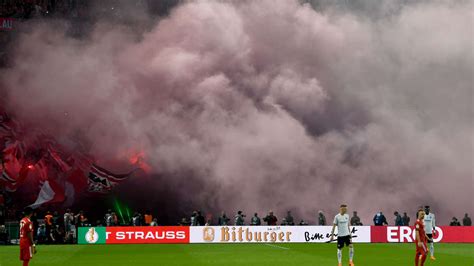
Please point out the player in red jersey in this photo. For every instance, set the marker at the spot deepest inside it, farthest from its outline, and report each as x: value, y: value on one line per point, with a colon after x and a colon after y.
x: 27, y: 246
x: 420, y: 240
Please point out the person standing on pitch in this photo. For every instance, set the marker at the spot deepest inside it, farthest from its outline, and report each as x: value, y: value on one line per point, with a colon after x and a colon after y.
x: 430, y: 227
x: 379, y: 219
x: 289, y: 219
x: 255, y: 220
x: 343, y: 234
x: 398, y: 219
x: 454, y: 222
x: 420, y: 239
x: 27, y: 246
x: 223, y: 219
x: 270, y: 219
x: 406, y: 219
x: 355, y: 220
x: 321, y: 218
x: 239, y: 218
x: 466, y: 221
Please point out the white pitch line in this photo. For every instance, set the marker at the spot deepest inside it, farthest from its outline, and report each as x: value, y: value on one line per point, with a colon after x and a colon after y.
x: 275, y: 246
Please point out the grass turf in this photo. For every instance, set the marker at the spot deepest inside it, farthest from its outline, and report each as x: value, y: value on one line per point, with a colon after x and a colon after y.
x: 236, y: 254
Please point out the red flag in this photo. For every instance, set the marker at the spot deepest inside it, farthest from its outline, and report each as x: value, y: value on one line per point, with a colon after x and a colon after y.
x: 8, y: 182
x: 41, y: 170
x: 13, y: 171
x: 76, y: 183
x: 58, y: 160
x: 80, y: 161
x: 78, y: 180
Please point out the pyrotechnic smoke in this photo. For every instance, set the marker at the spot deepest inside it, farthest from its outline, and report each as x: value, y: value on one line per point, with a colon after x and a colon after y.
x: 259, y: 105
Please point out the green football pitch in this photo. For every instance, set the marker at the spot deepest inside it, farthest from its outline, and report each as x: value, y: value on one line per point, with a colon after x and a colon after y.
x: 236, y: 254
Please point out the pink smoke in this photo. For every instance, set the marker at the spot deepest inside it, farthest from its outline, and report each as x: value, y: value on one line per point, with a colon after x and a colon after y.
x: 268, y: 104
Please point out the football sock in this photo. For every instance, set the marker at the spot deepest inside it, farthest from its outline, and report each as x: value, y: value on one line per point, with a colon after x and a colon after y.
x: 339, y: 255
x: 423, y: 258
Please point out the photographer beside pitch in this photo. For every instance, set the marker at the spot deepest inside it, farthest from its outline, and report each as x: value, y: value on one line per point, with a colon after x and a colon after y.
x: 27, y: 245
x: 344, y: 237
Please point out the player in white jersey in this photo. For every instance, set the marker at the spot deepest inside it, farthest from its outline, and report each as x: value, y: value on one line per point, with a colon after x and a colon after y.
x: 344, y: 236
x: 430, y: 227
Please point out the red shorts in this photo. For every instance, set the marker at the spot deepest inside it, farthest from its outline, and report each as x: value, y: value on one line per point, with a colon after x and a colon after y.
x: 25, y: 253
x: 421, y: 250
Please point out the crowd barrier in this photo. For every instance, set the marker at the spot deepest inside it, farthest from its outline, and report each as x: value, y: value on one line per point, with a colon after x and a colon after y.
x: 261, y: 234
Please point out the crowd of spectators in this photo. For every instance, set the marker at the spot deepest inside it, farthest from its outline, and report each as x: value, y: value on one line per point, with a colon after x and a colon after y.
x: 466, y: 221
x: 53, y: 227
x: 2, y: 209
x: 8, y: 210
x: 14, y: 13
x: 4, y: 237
x: 197, y: 219
x: 25, y: 9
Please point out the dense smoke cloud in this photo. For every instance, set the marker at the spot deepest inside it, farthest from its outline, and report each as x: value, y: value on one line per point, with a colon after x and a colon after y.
x: 259, y: 105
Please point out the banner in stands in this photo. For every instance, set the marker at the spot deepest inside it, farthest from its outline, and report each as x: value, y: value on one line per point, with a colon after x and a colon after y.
x: 6, y: 23
x: 406, y: 234
x: 133, y: 235
x: 271, y: 234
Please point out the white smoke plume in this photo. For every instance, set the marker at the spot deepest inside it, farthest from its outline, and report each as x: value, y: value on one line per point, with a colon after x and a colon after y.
x: 259, y: 105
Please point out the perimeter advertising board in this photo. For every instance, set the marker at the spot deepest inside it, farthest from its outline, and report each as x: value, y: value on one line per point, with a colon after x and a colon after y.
x: 261, y: 234
x: 133, y: 235
x: 271, y: 234
x: 406, y: 234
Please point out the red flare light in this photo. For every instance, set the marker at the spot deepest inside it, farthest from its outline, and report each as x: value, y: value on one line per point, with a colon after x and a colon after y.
x: 138, y: 159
